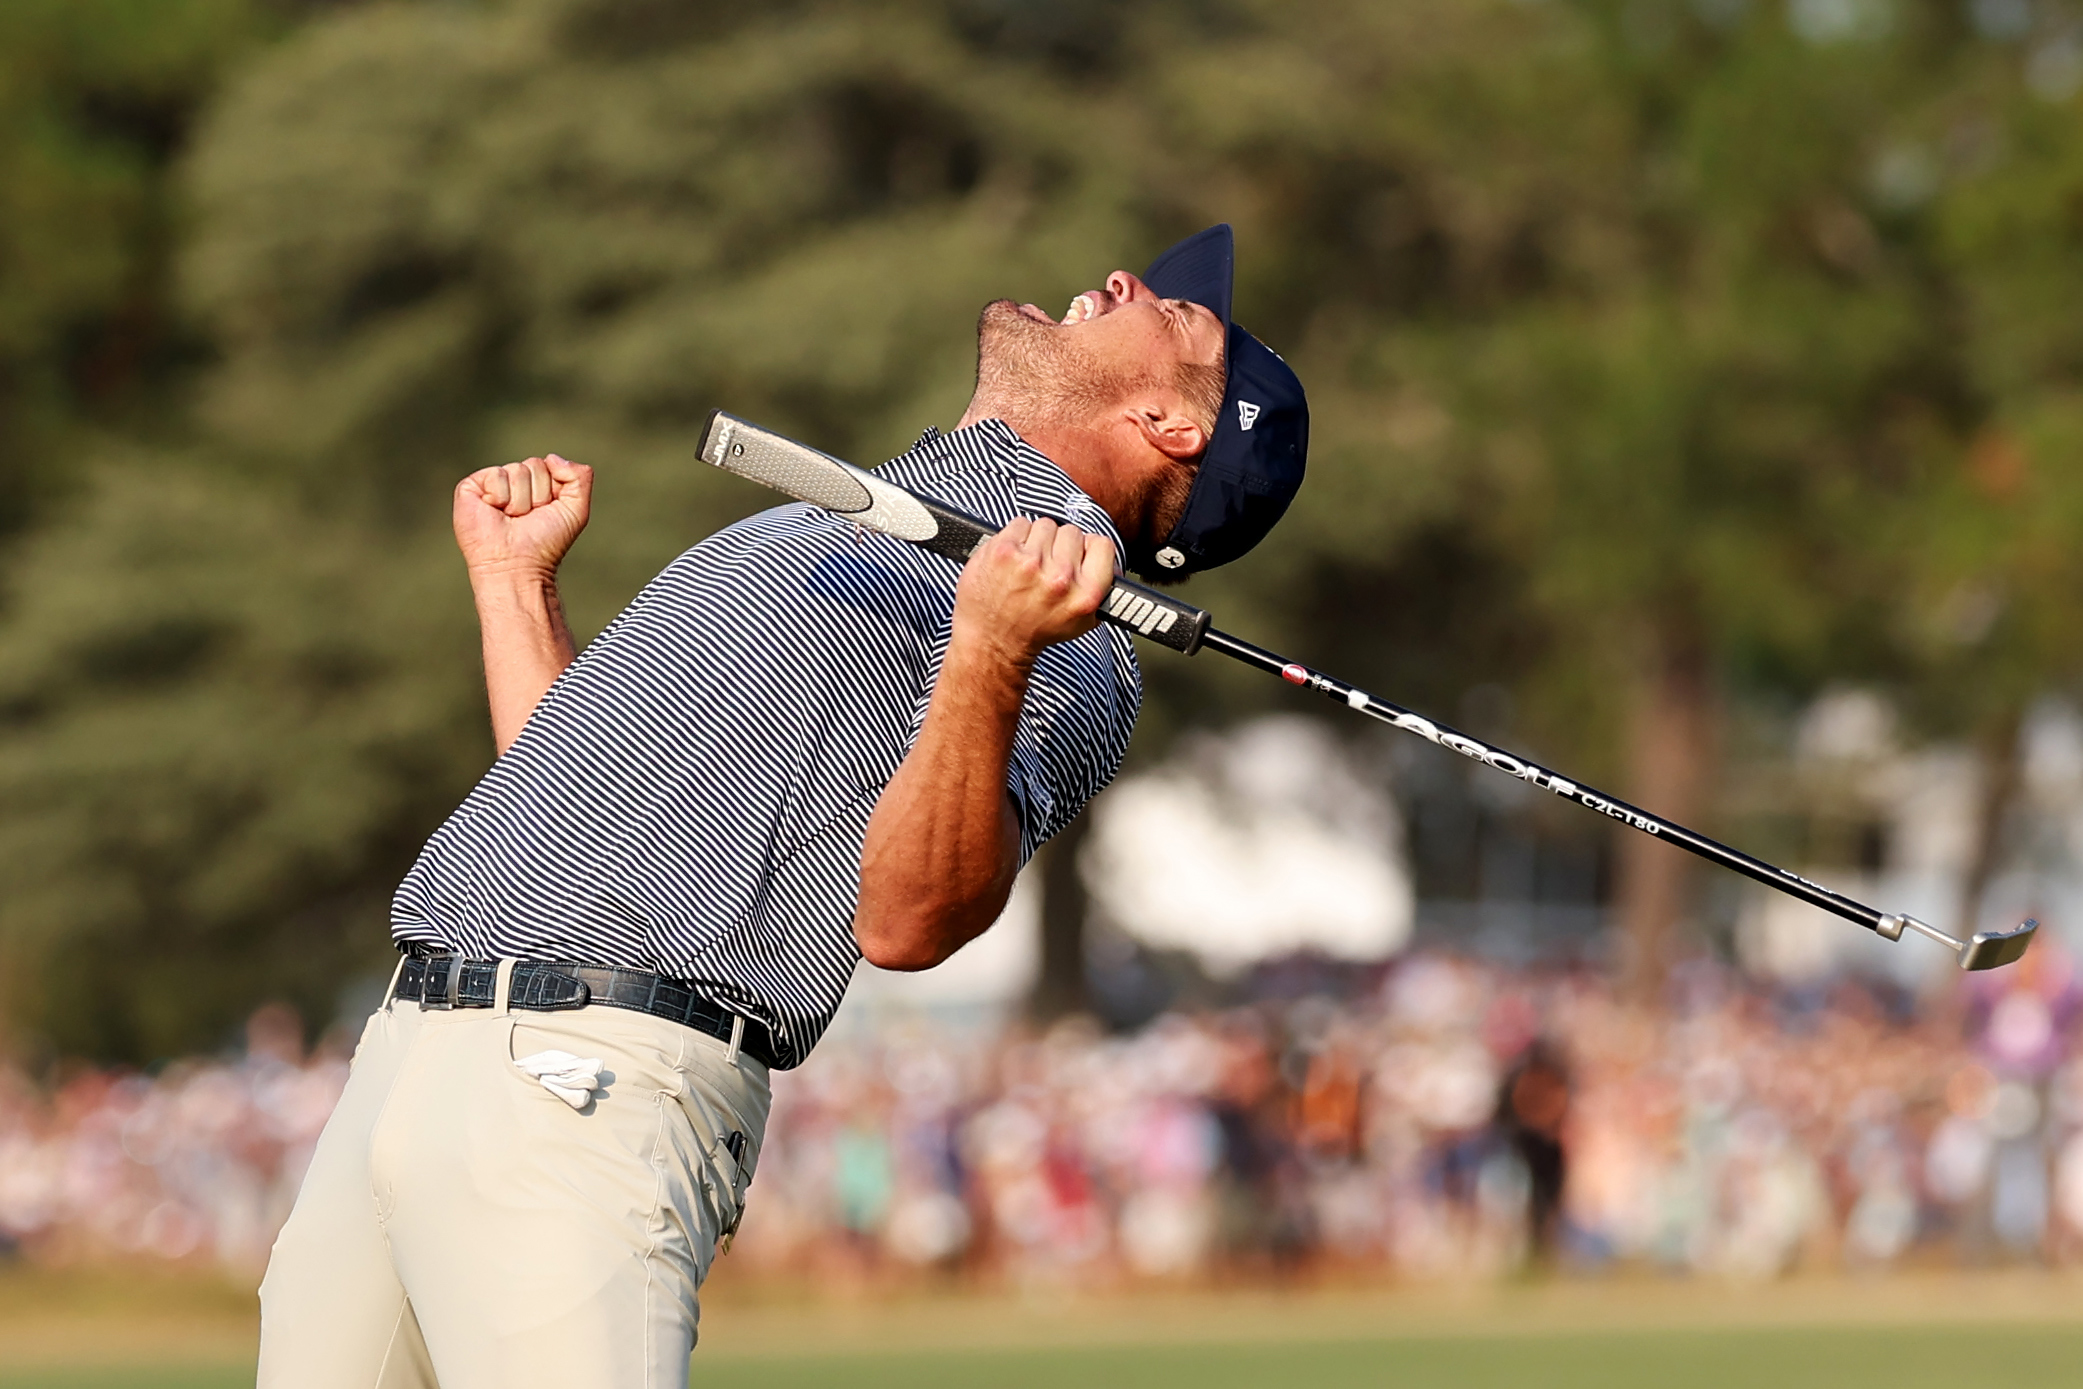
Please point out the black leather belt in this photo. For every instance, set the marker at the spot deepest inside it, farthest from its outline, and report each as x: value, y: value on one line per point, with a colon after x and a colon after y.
x: 439, y: 979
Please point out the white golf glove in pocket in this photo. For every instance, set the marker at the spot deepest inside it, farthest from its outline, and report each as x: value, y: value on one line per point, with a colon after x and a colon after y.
x: 572, y: 1079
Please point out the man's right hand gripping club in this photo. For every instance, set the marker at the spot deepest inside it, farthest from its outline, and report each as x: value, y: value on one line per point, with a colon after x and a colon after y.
x: 943, y: 844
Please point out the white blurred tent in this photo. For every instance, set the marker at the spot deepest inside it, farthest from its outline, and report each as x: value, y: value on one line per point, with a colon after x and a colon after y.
x: 1258, y: 843
x: 1243, y: 846
x: 1847, y: 748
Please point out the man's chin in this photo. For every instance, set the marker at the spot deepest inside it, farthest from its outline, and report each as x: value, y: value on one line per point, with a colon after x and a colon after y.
x: 1005, y: 315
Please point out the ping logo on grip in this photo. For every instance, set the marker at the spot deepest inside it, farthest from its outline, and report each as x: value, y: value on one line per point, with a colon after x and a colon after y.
x: 719, y: 447
x: 1134, y: 610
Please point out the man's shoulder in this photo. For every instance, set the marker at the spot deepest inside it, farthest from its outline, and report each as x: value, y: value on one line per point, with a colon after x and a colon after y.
x: 766, y: 563
x: 988, y: 470
x: 972, y: 469
x: 790, y: 532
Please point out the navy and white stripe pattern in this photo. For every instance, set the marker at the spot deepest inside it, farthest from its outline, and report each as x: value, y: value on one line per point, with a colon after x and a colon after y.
x: 692, y: 794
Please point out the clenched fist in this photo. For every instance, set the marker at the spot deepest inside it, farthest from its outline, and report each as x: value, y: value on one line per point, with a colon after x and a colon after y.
x: 522, y: 516
x: 1031, y: 585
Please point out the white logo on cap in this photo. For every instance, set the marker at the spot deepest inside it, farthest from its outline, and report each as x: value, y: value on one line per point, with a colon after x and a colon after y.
x: 1247, y: 415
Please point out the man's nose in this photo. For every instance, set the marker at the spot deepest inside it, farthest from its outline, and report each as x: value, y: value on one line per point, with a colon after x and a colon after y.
x: 1126, y: 288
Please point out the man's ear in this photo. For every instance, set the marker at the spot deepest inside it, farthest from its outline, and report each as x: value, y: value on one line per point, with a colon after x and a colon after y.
x: 1171, y: 431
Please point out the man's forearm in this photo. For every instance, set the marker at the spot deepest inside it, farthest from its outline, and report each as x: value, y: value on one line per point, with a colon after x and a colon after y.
x: 527, y: 643
x: 943, y: 845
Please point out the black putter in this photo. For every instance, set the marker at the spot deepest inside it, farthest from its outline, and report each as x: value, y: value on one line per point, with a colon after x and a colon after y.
x: 877, y: 504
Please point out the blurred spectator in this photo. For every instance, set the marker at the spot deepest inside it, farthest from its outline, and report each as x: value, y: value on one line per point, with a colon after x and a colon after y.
x: 1532, y: 1108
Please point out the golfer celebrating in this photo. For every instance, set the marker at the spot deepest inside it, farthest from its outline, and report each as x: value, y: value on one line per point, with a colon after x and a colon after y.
x: 799, y: 747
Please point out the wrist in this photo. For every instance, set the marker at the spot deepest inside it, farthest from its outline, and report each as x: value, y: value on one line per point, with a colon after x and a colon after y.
x: 984, y: 647
x: 528, y: 593
x: 530, y: 586
x: 512, y: 571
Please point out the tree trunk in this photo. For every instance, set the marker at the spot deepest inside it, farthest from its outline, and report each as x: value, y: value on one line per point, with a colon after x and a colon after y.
x: 1998, y: 753
x: 1670, y: 753
x: 1059, y: 988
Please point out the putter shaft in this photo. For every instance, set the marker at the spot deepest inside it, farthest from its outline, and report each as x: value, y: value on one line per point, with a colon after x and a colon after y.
x: 1985, y: 950
x: 876, y: 503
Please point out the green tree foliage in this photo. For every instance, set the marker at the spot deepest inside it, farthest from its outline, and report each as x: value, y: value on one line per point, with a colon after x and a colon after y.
x: 223, y: 716
x: 241, y: 682
x: 96, y: 96
x: 1992, y: 616
x: 1697, y: 356
x: 1660, y: 353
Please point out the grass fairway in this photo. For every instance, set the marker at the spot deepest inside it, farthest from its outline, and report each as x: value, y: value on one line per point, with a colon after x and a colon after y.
x: 2018, y: 1330
x: 2013, y: 1357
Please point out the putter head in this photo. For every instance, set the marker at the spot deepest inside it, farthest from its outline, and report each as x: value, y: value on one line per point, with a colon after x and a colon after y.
x: 1991, y: 949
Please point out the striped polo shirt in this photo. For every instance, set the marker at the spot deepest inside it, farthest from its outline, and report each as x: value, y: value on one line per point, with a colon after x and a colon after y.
x: 692, y: 794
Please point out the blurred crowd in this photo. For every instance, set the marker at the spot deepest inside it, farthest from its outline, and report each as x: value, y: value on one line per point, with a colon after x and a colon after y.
x: 198, y: 1162
x: 1441, y: 1117
x: 1448, y: 1118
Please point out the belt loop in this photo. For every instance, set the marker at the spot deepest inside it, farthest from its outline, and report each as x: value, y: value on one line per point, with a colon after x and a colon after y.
x: 737, y: 1035
x: 503, y: 987
x: 390, y: 992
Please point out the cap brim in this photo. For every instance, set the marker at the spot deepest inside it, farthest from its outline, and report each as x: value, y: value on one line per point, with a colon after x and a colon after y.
x: 1200, y: 269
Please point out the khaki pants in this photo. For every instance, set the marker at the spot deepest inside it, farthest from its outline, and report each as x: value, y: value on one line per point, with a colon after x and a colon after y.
x: 461, y: 1226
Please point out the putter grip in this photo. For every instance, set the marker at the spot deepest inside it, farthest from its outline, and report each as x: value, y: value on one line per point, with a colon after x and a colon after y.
x: 1144, y: 611
x: 878, y: 504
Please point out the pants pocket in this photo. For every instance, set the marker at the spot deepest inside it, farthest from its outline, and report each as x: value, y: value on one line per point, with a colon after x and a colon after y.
x: 723, y: 1154
x: 729, y: 1160
x: 636, y: 1064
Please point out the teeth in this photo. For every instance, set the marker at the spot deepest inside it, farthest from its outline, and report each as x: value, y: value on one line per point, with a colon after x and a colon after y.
x: 1080, y: 309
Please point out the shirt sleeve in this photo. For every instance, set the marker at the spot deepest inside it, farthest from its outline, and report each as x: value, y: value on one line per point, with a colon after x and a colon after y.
x: 1074, y: 728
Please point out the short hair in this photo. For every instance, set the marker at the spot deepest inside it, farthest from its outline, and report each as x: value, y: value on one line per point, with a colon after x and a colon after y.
x: 1203, y: 387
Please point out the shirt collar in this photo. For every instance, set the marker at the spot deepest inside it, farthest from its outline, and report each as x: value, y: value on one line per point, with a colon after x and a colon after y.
x: 1040, y: 487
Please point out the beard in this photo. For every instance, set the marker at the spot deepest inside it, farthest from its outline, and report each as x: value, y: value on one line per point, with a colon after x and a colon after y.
x: 1027, y: 370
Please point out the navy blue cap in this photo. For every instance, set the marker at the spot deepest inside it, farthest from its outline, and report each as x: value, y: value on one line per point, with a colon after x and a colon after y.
x: 1252, y: 468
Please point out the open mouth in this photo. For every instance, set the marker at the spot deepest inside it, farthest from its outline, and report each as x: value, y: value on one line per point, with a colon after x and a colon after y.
x: 1096, y: 303
x: 1083, y: 309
